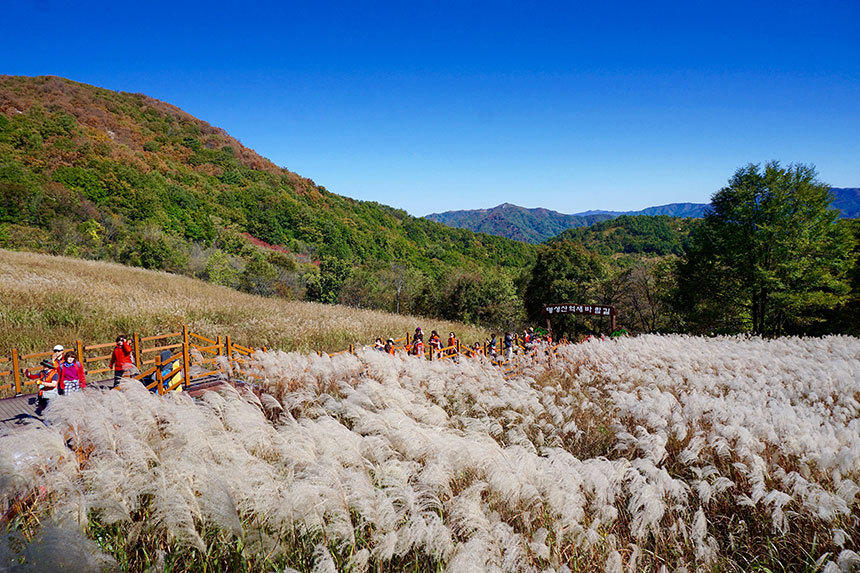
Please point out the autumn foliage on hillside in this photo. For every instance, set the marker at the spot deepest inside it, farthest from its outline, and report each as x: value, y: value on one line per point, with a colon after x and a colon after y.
x: 94, y: 173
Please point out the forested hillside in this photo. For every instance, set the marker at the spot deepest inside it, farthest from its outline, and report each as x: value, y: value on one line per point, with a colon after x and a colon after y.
x: 640, y: 235
x: 94, y: 173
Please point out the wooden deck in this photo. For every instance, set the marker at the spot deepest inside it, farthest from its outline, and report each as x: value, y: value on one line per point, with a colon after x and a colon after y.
x: 20, y: 411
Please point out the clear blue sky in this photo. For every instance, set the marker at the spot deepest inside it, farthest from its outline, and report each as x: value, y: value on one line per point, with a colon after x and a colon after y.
x: 432, y: 106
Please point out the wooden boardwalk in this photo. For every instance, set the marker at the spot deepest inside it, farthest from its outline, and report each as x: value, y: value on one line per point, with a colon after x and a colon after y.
x: 20, y: 411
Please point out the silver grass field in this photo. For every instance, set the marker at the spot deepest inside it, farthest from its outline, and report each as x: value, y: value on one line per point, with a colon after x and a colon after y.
x: 654, y: 453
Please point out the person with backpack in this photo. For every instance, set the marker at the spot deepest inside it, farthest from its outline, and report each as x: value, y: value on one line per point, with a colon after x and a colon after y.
x: 48, y: 378
x: 418, y: 344
x: 452, y: 344
x: 435, y: 344
x: 389, y: 346
x: 122, y: 360
x: 509, y: 346
x: 72, y: 377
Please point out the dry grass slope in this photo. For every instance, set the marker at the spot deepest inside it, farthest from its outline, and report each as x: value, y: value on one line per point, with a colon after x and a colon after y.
x: 45, y: 299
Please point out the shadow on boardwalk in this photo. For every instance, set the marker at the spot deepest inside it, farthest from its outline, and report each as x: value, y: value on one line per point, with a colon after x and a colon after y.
x: 20, y: 411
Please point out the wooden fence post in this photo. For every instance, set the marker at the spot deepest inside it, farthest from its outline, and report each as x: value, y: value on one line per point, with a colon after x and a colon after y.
x: 229, y: 347
x: 186, y: 357
x: 135, y: 340
x: 158, y: 376
x: 16, y: 372
x: 79, y: 348
x: 352, y: 348
x: 220, y: 346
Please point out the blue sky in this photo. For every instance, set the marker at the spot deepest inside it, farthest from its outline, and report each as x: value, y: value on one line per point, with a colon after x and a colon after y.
x: 432, y: 106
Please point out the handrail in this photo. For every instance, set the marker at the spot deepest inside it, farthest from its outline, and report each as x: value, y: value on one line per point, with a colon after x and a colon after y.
x: 35, y: 355
x: 210, y: 349
x: 97, y: 346
x: 203, y: 338
x: 160, y: 336
x: 160, y: 348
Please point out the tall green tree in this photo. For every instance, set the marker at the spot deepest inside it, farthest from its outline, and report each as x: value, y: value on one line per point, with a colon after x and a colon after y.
x: 324, y: 286
x: 565, y: 272
x: 769, y: 257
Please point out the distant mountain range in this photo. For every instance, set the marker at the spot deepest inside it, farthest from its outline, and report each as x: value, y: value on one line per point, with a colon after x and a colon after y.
x: 538, y: 225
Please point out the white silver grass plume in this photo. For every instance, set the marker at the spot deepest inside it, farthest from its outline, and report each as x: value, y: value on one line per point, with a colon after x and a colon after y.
x: 627, y: 451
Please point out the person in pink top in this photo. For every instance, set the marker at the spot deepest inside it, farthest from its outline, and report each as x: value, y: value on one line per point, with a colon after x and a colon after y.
x: 72, y: 378
x: 122, y: 360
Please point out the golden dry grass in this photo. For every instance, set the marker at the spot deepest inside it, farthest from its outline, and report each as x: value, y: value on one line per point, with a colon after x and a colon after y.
x: 46, y: 300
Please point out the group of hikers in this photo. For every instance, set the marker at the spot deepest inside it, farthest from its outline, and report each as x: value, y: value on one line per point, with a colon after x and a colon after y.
x: 64, y: 373
x: 491, y: 347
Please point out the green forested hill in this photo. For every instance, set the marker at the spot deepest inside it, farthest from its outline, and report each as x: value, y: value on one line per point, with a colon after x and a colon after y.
x: 94, y: 173
x: 645, y: 235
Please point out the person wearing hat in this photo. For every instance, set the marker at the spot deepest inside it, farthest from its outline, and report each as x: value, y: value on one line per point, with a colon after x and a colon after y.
x: 57, y: 356
x: 389, y: 346
x: 51, y: 377
x: 48, y: 378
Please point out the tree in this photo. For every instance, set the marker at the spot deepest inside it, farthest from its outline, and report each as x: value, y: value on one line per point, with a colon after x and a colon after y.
x: 324, y: 286
x: 473, y: 296
x: 259, y: 277
x: 641, y: 294
x: 769, y: 257
x: 565, y: 272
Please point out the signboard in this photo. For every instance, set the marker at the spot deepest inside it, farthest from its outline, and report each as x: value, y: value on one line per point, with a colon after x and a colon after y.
x: 589, y: 309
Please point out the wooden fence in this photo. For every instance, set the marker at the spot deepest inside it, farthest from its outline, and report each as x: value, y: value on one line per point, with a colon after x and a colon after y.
x: 456, y: 350
x: 188, y: 350
x: 147, y: 356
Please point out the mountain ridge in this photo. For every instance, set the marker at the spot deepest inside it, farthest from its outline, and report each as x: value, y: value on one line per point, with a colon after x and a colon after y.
x: 536, y: 225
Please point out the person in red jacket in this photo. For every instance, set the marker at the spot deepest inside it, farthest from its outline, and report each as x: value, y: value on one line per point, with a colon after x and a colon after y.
x: 122, y: 360
x: 72, y: 378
